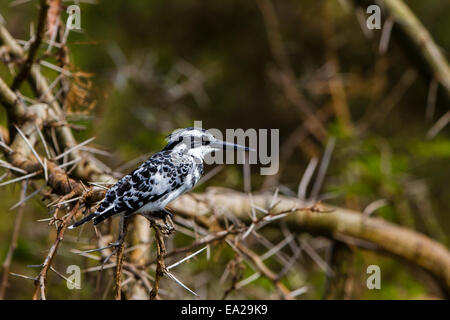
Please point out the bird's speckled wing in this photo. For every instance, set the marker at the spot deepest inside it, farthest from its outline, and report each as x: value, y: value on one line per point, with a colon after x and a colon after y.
x: 148, y: 184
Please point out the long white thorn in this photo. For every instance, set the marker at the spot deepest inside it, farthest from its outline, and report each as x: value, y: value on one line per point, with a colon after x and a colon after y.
x: 5, y: 146
x: 301, y: 194
x: 41, y: 136
x: 45, y: 170
x: 98, y: 185
x: 66, y: 202
x: 30, y: 146
x: 273, y: 202
x: 186, y: 258
x: 316, y: 257
x: 259, y: 208
x: 56, y: 68
x: 84, y: 254
x: 249, y: 230
x: 6, y: 165
x: 3, y: 176
x: 19, y: 179
x: 74, y: 148
x: 252, y: 208
x: 298, y: 291
x: 22, y: 276
x: 97, y: 151
x: 323, y: 167
x: 69, y: 163
x: 374, y: 206
x: 277, y: 248
x: 31, y: 195
x: 248, y: 280
x: 62, y: 276
x: 171, y: 276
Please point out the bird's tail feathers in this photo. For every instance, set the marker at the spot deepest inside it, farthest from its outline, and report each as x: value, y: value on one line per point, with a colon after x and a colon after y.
x: 82, y: 221
x: 104, y: 215
x: 96, y: 216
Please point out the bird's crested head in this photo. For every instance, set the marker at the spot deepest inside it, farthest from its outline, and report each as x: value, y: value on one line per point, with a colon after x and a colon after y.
x: 197, y: 142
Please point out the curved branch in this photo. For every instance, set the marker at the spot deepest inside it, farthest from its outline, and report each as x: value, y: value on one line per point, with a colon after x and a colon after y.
x: 420, y: 36
x: 329, y: 221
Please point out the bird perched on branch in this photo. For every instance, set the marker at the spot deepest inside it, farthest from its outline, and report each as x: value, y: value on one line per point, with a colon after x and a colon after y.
x: 162, y: 178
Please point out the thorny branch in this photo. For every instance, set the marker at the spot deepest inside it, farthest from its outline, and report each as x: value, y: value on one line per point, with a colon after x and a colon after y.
x: 160, y: 264
x: 40, y: 281
x: 118, y: 272
x: 420, y: 36
x: 43, y: 117
x: 328, y: 221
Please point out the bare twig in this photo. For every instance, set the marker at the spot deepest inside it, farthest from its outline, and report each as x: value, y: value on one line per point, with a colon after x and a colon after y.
x: 40, y: 281
x: 118, y: 271
x: 424, y: 42
x: 25, y: 70
x: 306, y: 178
x: 185, y: 258
x: 439, y: 125
x: 74, y: 148
x: 160, y: 264
x: 386, y: 35
x: 323, y: 168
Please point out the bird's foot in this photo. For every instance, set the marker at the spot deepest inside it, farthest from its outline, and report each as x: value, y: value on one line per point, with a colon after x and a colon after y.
x: 163, y: 221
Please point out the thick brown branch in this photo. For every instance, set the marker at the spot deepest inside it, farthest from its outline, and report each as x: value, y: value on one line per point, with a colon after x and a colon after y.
x: 332, y: 222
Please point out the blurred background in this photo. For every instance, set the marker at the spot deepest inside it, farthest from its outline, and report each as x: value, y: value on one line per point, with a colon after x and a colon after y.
x: 144, y: 68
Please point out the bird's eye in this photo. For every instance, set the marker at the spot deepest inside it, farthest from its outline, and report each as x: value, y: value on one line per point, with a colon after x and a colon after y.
x: 205, y: 142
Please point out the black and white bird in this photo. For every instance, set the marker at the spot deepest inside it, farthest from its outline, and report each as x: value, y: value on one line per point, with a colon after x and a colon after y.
x: 162, y: 178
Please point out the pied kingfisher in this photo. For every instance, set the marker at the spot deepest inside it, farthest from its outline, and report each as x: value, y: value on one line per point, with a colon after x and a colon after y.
x: 162, y: 178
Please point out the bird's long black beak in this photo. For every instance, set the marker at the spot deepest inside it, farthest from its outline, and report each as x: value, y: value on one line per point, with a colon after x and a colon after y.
x: 228, y: 145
